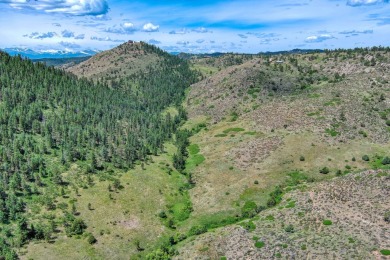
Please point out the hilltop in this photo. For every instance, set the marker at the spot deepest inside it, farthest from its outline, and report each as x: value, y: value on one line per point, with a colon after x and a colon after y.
x: 124, y: 63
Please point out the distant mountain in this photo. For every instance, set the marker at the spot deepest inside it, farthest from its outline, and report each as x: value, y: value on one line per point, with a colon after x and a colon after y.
x: 49, y: 54
x: 62, y: 62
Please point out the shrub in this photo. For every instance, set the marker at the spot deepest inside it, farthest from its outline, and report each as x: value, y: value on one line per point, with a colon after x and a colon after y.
x: 162, y: 214
x: 385, y: 252
x: 256, y: 182
x: 197, y: 230
x: 387, y: 217
x: 324, y: 170
x: 259, y: 244
x: 275, y: 197
x: 365, y: 158
x: 91, y: 239
x: 249, y: 209
x: 303, y: 247
x: 327, y: 222
x: 302, y: 158
x: 386, y: 160
x: 250, y: 226
x: 289, y: 229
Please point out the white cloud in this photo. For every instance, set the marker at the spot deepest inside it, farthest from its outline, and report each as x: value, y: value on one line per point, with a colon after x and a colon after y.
x: 124, y: 28
x: 365, y: 2
x: 67, y: 34
x: 128, y: 26
x: 73, y: 7
x: 149, y: 27
x: 319, y: 38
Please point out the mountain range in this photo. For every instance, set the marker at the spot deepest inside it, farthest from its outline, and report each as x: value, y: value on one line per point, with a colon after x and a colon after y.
x: 45, y: 54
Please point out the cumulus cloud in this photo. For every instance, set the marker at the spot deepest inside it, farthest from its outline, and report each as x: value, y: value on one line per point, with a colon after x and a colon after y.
x: 70, y: 45
x: 37, y: 35
x: 56, y: 24
x: 365, y: 2
x: 153, y: 41
x: 73, y: 7
x: 242, y: 36
x: 149, y: 27
x: 199, y: 41
x: 319, y: 38
x: 67, y: 34
x: 124, y: 28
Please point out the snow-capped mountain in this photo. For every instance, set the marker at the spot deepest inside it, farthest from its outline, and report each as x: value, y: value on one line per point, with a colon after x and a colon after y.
x: 42, y: 54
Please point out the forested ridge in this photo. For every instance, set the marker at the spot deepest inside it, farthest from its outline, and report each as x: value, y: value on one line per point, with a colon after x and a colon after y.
x: 48, y: 115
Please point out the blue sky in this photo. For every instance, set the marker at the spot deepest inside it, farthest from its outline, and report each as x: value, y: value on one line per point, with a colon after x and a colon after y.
x: 197, y: 26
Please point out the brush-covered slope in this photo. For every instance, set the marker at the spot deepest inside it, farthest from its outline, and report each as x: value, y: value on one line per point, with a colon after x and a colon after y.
x: 340, y: 219
x: 258, y: 122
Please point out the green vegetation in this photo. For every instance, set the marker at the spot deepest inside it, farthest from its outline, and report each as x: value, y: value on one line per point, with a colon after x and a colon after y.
x: 259, y: 244
x: 248, y: 225
x: 275, y: 197
x: 324, y: 170
x: 193, y: 149
x: 385, y: 252
x: 327, y: 222
x: 235, y: 129
x: 387, y: 216
x: 289, y: 228
x: 331, y: 132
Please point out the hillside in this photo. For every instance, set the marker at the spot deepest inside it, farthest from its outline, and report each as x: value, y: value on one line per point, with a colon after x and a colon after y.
x: 62, y: 62
x: 262, y: 120
x: 339, y: 219
x: 124, y: 63
x: 69, y: 149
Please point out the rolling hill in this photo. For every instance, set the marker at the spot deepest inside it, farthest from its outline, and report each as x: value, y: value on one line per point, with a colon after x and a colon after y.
x: 136, y: 152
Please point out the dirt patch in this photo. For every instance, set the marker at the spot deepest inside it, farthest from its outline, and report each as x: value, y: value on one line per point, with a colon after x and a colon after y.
x: 253, y: 151
x: 133, y: 223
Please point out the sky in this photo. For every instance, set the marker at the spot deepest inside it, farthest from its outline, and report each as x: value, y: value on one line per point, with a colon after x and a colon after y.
x: 195, y: 26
